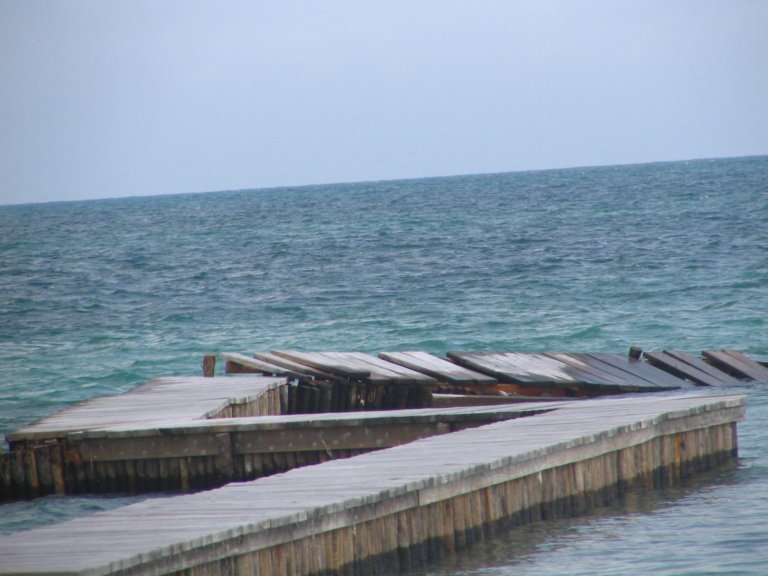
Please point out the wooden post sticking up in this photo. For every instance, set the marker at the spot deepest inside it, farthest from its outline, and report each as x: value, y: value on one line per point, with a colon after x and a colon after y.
x: 635, y: 352
x: 209, y: 365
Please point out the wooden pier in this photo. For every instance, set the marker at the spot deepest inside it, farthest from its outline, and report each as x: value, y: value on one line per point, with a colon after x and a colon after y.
x: 205, y: 434
x: 350, y: 463
x: 400, y: 507
x: 192, y: 433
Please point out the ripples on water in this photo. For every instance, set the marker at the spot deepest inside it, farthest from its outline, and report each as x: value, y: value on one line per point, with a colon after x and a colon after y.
x: 98, y: 296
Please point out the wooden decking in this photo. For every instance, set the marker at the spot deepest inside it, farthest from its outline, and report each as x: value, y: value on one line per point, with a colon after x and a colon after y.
x: 167, y: 399
x: 401, y: 507
x: 194, y: 433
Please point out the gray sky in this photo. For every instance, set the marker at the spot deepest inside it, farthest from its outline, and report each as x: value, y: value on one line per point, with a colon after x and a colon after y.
x: 103, y: 98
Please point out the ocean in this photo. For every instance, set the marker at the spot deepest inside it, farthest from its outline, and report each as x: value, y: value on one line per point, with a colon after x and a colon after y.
x: 98, y: 296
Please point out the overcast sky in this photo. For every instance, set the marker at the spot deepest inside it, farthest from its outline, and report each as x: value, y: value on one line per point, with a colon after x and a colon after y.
x: 114, y: 98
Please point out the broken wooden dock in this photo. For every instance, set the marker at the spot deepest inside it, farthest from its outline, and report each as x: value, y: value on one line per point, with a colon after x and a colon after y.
x: 400, y: 507
x: 417, y: 456
x: 183, y: 433
x: 552, y: 374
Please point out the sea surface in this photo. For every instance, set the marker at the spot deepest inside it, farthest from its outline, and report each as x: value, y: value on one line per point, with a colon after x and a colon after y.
x: 98, y: 296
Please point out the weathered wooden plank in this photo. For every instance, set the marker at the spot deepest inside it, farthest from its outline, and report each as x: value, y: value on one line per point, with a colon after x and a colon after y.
x: 642, y: 371
x: 681, y: 369
x: 296, y: 367
x: 140, y: 448
x: 439, y: 368
x: 323, y: 364
x: 499, y: 366
x: 726, y: 379
x: 337, y: 438
x: 737, y: 363
x: 358, y: 366
x: 402, y: 374
x: 579, y: 371
x: 604, y: 373
x: 622, y: 368
x: 154, y: 400
x: 238, y: 363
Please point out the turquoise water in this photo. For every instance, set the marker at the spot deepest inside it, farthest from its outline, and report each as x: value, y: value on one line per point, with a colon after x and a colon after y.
x: 98, y: 296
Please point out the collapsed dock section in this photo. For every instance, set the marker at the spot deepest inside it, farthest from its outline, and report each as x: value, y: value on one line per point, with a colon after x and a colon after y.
x: 404, y: 379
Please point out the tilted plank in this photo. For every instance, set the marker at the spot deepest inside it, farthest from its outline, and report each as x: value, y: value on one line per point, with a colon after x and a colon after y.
x: 643, y: 371
x: 604, y: 373
x: 490, y: 363
x: 726, y: 378
x: 298, y: 367
x: 322, y: 362
x: 578, y: 372
x: 737, y: 363
x: 402, y: 372
x: 438, y: 368
x: 255, y: 364
x: 681, y: 369
x: 522, y: 368
x: 616, y: 365
x: 359, y: 365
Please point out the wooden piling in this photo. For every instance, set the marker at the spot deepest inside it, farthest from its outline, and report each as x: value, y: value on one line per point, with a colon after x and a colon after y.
x: 209, y: 365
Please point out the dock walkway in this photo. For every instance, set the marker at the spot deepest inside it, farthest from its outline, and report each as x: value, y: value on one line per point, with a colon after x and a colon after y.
x: 167, y: 399
x: 399, y: 508
x: 192, y: 433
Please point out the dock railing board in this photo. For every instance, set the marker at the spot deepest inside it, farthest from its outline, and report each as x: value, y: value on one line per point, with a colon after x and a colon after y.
x: 399, y: 508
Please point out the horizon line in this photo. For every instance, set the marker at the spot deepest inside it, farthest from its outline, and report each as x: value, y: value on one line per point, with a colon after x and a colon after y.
x: 379, y: 181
